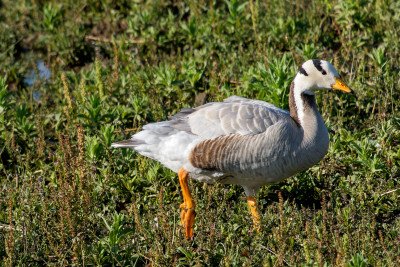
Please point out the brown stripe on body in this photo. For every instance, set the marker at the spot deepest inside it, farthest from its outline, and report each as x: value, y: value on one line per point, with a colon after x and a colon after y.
x: 212, y: 153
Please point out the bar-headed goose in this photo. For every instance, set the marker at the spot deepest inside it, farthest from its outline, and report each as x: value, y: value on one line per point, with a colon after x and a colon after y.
x: 241, y: 141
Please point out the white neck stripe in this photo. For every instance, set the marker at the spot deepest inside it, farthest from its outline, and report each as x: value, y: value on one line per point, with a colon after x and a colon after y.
x: 298, y: 101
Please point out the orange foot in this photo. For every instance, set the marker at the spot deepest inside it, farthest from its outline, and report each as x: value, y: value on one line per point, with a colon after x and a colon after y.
x: 187, y: 213
x: 253, y: 208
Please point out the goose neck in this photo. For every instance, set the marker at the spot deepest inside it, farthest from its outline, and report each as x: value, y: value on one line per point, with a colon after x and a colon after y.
x: 302, y: 105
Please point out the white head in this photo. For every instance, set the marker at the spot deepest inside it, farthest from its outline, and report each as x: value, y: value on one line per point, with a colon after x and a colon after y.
x: 316, y: 74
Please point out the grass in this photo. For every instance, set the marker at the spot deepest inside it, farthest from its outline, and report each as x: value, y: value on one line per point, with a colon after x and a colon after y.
x: 67, y: 198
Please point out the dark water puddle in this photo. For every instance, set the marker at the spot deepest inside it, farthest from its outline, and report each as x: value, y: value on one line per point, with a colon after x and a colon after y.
x: 43, y: 72
x: 32, y: 78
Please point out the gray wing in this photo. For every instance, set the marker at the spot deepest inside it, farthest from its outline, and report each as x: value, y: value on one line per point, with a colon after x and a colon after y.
x: 239, y: 99
x: 236, y: 115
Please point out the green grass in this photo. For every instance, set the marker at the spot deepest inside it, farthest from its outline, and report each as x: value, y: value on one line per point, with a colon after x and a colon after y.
x: 67, y: 198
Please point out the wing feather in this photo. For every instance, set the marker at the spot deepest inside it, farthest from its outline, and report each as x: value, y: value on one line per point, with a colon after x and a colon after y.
x: 236, y: 115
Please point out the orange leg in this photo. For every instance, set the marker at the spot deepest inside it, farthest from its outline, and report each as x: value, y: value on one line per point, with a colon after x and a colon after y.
x: 253, y: 208
x: 187, y: 212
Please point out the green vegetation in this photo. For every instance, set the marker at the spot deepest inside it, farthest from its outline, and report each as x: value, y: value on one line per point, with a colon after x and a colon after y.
x: 67, y: 198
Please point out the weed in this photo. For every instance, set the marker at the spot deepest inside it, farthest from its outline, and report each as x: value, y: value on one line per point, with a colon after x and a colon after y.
x: 67, y: 198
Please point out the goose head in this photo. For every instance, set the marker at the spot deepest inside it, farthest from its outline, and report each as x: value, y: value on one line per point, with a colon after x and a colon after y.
x: 316, y: 74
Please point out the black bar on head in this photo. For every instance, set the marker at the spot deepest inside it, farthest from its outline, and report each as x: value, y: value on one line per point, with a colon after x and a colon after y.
x: 303, y: 71
x: 317, y: 64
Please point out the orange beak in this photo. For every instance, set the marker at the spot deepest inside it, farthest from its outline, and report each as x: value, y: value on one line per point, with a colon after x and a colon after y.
x: 340, y: 85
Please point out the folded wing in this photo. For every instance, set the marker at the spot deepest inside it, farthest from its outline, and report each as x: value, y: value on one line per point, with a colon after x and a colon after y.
x: 234, y: 115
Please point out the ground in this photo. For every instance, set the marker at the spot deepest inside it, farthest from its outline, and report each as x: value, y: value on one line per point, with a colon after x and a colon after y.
x: 78, y: 75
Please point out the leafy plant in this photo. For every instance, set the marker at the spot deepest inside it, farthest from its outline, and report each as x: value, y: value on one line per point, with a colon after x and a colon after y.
x: 378, y: 57
x: 236, y: 11
x: 108, y: 250
x: 94, y: 115
x: 273, y: 81
x: 5, y: 101
x: 108, y: 134
x: 117, y: 231
x: 358, y: 260
x: 308, y: 51
x: 93, y: 147
x: 368, y: 156
x: 23, y: 121
x: 192, y: 73
x: 51, y: 17
x: 139, y: 104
